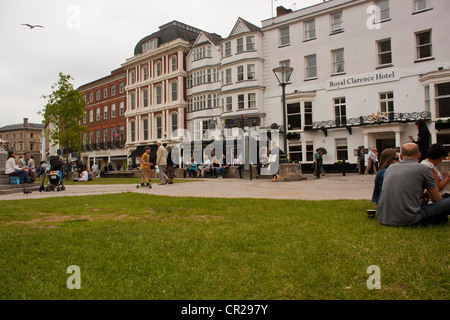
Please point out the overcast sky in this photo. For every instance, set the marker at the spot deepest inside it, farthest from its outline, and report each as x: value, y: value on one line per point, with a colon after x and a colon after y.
x: 89, y: 38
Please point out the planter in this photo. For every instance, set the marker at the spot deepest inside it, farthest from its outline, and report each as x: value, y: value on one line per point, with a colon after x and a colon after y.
x: 442, y: 125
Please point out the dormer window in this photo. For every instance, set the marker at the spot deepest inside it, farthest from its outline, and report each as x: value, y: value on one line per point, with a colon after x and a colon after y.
x: 151, y: 44
x: 202, y: 52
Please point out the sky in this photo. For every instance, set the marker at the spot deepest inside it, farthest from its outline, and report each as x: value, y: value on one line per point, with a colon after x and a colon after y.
x: 87, y: 39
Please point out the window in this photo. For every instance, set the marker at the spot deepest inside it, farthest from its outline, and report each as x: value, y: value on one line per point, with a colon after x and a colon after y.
x: 145, y: 128
x: 340, y: 115
x: 174, y: 123
x: 105, y: 137
x: 295, y: 153
x: 251, y: 73
x: 240, y: 73
x: 387, y: 104
x: 133, y: 131
x: 174, y: 64
x: 113, y: 137
x: 113, y: 110
x: 122, y: 135
x: 113, y: 90
x: 121, y: 108
x: 341, y: 150
x: 121, y: 87
x: 84, y: 140
x: 91, y: 96
x: 150, y: 45
x: 227, y: 49
x: 294, y: 116
x: 91, y: 115
x: 309, y: 151
x: 421, y: 5
x: 105, y: 112
x: 174, y: 89
x: 105, y: 93
x: 444, y: 139
x: 229, y: 104
x: 201, y: 53
x: 252, y: 100
x: 241, y: 102
x: 311, y: 66
x: 158, y: 68
x: 384, y: 52
x: 98, y: 112
x: 84, y: 120
x: 308, y: 114
x: 310, y: 30
x: 423, y: 45
x: 338, y: 61
x: 132, y: 77
x: 240, y: 45
x: 427, y: 99
x: 97, y: 95
x: 158, y: 94
x: 443, y: 100
x: 382, y: 10
x: 145, y: 98
x: 91, y: 139
x: 336, y: 23
x: 284, y: 36
x: 251, y: 43
x: 198, y: 126
x: 132, y: 101
x: 97, y: 138
x: 228, y: 79
x: 158, y: 127
x: 145, y: 73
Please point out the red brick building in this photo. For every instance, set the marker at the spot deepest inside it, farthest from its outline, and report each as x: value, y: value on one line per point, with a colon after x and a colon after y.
x: 104, y: 142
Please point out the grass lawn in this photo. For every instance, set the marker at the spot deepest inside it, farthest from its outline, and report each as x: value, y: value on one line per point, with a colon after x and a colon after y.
x: 138, y: 246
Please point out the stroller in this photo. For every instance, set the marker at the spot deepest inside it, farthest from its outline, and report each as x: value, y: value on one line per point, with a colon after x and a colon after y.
x: 55, y: 177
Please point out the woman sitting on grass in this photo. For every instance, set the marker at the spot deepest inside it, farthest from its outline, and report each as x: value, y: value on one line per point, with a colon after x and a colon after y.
x: 388, y: 157
x: 436, y: 154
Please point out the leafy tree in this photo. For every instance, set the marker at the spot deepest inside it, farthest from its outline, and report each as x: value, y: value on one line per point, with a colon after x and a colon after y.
x: 62, y: 114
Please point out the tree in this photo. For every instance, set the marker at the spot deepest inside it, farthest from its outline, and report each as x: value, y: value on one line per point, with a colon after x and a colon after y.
x: 63, y: 116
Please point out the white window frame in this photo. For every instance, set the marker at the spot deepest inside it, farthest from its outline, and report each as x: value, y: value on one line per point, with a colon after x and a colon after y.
x: 417, y: 3
x: 336, y: 22
x: 284, y: 36
x: 382, y: 12
x: 420, y: 46
x: 381, y: 53
x: 338, y: 62
x: 311, y: 67
x: 309, y: 30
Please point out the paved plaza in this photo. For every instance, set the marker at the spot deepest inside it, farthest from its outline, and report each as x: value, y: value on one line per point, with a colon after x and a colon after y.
x: 329, y: 187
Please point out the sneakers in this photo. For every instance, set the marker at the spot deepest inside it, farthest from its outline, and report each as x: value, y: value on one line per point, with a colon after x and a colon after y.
x: 148, y: 184
x: 142, y: 185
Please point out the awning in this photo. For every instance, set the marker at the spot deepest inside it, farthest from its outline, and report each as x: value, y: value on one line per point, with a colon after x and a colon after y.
x: 137, y: 153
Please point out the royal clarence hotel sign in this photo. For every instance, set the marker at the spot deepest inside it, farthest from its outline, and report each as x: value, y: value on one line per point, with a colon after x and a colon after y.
x: 362, y: 80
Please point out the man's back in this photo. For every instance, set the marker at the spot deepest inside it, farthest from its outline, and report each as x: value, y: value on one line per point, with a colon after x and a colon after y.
x: 402, y: 190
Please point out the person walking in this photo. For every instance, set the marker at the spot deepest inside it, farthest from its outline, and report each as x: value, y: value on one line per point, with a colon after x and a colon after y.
x: 145, y: 168
x: 318, y: 163
x: 372, y: 161
x: 170, y: 166
x: 161, y: 161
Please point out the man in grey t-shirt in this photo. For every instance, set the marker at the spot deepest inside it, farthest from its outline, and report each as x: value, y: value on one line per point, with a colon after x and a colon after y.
x: 403, y: 187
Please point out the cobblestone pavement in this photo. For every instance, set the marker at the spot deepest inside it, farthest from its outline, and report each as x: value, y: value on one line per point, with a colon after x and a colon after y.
x: 329, y: 187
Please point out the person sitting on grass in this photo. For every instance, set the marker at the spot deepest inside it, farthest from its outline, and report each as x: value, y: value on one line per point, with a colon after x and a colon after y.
x: 400, y: 202
x: 388, y: 157
x: 436, y: 154
x: 145, y: 167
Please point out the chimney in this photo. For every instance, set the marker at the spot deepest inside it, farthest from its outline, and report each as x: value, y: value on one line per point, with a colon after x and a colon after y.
x: 25, y: 122
x: 281, y: 11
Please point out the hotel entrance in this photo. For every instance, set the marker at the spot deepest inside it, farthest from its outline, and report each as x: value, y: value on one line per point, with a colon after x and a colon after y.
x: 383, y: 144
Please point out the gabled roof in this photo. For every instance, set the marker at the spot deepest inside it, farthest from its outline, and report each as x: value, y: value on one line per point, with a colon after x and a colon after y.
x: 212, y: 38
x: 169, y: 32
x: 242, y: 26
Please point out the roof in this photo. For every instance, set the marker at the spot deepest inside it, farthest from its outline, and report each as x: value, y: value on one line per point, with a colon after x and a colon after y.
x: 169, y: 32
x: 20, y: 126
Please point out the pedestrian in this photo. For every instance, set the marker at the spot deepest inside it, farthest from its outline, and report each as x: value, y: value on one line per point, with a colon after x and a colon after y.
x: 161, y: 161
x: 361, y: 160
x: 423, y: 138
x: 372, y: 161
x: 145, y: 168
x: 170, y: 166
x: 274, y: 160
x: 400, y: 202
x: 318, y: 163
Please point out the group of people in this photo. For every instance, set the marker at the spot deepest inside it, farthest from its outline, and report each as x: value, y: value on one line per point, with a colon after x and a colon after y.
x: 163, y: 162
x: 409, y: 187
x: 24, y: 168
x: 216, y: 166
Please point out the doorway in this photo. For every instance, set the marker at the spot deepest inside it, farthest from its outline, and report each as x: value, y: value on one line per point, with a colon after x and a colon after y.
x: 383, y: 144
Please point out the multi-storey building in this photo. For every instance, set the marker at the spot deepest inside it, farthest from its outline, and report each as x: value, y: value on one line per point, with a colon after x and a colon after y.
x: 364, y: 72
x: 156, y: 88
x: 23, y: 137
x: 104, y: 142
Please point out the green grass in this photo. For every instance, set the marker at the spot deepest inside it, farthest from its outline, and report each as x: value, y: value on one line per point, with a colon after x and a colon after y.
x: 137, y: 246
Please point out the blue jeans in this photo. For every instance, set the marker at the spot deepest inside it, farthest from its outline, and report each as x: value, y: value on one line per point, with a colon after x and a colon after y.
x: 219, y: 171
x: 23, y: 177
x: 435, y: 213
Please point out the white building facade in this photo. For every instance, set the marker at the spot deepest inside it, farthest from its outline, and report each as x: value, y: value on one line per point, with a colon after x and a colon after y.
x: 364, y: 72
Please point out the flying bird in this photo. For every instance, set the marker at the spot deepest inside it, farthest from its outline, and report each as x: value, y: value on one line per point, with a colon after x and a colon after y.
x: 31, y: 26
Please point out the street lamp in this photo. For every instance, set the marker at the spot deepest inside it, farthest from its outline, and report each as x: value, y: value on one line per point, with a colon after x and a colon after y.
x: 283, y: 75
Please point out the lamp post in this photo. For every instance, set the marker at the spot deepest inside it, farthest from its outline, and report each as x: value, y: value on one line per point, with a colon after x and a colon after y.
x: 283, y: 75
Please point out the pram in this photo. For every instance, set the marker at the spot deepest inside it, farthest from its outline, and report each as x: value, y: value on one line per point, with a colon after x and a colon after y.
x: 55, y: 177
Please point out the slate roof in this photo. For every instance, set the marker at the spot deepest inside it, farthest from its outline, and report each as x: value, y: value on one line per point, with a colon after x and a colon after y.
x: 20, y: 126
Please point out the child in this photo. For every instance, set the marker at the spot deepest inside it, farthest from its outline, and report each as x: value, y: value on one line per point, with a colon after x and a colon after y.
x: 145, y: 168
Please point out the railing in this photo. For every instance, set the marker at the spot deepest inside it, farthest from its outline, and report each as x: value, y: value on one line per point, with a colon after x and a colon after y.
x: 371, y: 120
